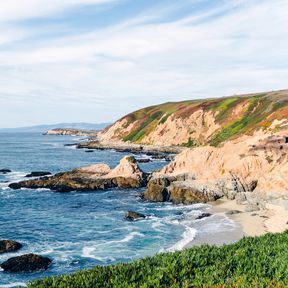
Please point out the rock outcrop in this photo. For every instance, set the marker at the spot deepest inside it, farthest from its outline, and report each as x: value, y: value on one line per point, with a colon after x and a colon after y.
x: 95, y: 177
x: 133, y: 216
x: 178, y: 189
x: 38, y: 174
x: 247, y: 170
x: 9, y: 246
x: 5, y: 171
x: 26, y: 263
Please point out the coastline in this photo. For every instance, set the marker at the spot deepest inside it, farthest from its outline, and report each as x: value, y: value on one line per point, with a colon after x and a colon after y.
x: 120, y: 146
x: 272, y: 219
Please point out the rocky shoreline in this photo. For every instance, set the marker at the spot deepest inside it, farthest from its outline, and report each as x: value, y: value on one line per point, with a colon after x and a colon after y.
x: 95, y: 177
x: 120, y: 146
x: 71, y: 132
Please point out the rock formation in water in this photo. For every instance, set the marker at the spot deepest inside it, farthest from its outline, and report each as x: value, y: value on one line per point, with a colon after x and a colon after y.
x: 9, y: 246
x: 26, y: 263
x: 95, y: 177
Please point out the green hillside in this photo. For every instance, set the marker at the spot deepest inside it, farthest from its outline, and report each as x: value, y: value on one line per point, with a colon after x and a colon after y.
x: 251, y: 262
x: 237, y: 115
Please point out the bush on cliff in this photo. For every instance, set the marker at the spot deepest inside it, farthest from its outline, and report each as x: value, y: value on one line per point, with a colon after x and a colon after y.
x: 251, y: 262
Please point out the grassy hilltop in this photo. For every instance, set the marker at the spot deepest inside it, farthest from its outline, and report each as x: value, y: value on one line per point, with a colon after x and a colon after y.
x: 251, y: 262
x: 201, y: 122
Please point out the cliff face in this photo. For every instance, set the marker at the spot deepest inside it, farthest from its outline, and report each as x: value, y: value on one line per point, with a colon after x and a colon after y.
x: 251, y: 160
x: 202, y: 122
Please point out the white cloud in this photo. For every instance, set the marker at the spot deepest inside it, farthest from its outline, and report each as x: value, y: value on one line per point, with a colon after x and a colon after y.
x: 133, y: 64
x: 12, y: 10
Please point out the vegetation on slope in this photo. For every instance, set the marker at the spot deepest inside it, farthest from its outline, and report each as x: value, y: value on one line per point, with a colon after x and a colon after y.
x: 237, y: 115
x: 251, y: 262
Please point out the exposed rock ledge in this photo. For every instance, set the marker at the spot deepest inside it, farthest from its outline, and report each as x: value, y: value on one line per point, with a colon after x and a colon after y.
x: 129, y: 147
x: 95, y: 177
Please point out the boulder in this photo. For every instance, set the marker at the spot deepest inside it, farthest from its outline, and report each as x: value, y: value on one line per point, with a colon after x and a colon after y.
x: 26, y: 263
x: 5, y: 171
x: 9, y: 246
x: 38, y: 174
x: 132, y: 216
x: 203, y: 215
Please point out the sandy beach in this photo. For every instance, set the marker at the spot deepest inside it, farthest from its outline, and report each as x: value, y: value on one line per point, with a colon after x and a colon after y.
x: 272, y: 219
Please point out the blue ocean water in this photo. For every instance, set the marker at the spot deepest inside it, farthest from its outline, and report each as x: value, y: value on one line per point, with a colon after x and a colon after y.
x: 82, y: 229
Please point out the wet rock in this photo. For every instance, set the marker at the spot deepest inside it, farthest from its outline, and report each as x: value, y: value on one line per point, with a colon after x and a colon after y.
x: 132, y: 216
x: 26, y: 263
x: 37, y: 174
x: 5, y: 171
x: 144, y: 160
x: 89, y: 151
x: 9, y: 246
x: 95, y: 177
x: 157, y: 189
x: 203, y: 215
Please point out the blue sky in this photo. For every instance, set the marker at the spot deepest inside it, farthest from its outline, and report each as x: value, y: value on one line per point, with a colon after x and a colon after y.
x: 96, y: 60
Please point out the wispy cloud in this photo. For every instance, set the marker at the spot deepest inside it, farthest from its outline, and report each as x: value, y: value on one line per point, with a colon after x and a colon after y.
x: 153, y: 56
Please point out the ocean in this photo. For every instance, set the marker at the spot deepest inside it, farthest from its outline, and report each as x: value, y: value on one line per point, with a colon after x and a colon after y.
x: 79, y: 230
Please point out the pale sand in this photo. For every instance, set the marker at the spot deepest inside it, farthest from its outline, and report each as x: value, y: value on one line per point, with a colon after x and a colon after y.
x: 273, y: 219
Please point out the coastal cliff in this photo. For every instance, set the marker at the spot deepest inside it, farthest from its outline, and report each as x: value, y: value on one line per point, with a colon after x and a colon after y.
x: 202, y: 122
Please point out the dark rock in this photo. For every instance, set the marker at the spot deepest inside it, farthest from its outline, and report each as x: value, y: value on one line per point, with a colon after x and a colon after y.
x: 144, y: 160
x: 157, y: 189
x: 233, y: 212
x: 9, y: 246
x: 81, y: 180
x: 189, y: 192
x: 38, y: 174
x: 5, y: 171
x: 26, y: 263
x: 203, y: 215
x: 89, y: 151
x: 132, y: 216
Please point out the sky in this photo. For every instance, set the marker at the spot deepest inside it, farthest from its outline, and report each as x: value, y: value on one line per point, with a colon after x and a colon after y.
x: 97, y: 60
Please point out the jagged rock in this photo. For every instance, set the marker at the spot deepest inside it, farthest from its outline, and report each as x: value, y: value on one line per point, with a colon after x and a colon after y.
x: 26, y: 263
x: 203, y: 215
x: 157, y: 187
x: 132, y: 216
x: 38, y: 174
x: 189, y: 192
x: 5, y: 171
x: 9, y: 246
x: 95, y: 177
